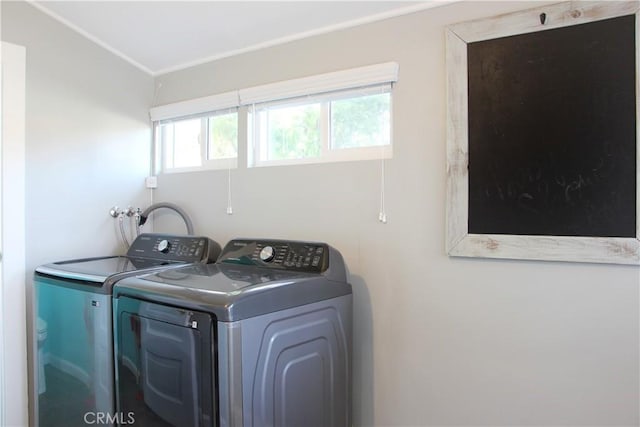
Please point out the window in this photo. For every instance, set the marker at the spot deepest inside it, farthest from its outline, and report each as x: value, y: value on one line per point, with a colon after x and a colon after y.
x: 286, y: 132
x: 223, y: 136
x: 181, y: 144
x: 351, y: 126
x: 197, y: 134
x: 338, y: 116
x: 208, y: 142
x: 363, y: 121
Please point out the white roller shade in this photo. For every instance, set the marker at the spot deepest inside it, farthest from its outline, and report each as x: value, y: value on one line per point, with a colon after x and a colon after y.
x: 195, y: 106
x: 322, y: 83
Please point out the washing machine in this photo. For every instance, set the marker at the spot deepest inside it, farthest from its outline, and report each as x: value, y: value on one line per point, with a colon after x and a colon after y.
x: 74, y: 358
x: 261, y: 338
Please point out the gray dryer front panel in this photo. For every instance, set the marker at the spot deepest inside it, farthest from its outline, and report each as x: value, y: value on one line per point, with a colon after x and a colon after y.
x: 282, y: 316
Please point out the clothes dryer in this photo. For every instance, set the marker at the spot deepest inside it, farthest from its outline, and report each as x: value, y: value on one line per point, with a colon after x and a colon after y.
x: 261, y: 338
x: 74, y: 360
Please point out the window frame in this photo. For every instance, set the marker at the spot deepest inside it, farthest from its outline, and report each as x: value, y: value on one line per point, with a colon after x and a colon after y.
x: 207, y: 106
x: 245, y: 100
x: 327, y: 153
x: 206, y: 163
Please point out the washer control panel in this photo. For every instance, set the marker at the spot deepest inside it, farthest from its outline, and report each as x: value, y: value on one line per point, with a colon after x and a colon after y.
x: 311, y: 257
x: 171, y: 247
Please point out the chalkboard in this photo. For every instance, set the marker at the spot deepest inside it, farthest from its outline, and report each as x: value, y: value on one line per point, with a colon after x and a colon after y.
x: 552, y: 132
x: 542, y: 113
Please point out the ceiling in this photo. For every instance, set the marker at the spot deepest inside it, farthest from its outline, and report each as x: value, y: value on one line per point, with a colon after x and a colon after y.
x: 163, y: 36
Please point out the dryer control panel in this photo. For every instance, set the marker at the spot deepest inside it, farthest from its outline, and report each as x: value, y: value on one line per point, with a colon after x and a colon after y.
x: 172, y: 247
x: 310, y: 257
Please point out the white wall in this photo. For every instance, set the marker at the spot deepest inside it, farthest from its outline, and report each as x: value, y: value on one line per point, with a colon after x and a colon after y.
x: 13, y: 366
x: 438, y: 341
x: 88, y: 136
x: 87, y: 139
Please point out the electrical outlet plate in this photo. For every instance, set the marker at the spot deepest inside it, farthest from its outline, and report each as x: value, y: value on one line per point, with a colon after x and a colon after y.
x: 151, y: 182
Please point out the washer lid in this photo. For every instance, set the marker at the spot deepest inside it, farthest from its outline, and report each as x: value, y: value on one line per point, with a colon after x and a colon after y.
x: 97, y: 270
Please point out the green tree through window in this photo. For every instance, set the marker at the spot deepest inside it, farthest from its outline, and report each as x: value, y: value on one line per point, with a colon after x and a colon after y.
x: 223, y: 138
x: 360, y: 122
x: 294, y: 132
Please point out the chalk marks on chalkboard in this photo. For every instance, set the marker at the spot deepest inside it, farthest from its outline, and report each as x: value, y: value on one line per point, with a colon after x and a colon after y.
x: 541, y: 184
x: 538, y: 192
x: 550, y: 198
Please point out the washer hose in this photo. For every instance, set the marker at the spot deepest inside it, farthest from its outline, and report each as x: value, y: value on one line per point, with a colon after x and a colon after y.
x: 178, y: 209
x: 122, y: 233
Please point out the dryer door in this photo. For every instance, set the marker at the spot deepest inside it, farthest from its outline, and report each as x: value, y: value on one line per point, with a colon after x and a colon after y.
x: 165, y: 365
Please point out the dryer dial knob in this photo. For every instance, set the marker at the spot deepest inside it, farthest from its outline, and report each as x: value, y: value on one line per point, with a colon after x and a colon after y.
x: 267, y: 254
x: 164, y: 246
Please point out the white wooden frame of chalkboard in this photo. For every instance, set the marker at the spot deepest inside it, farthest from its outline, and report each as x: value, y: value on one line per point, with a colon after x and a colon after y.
x: 551, y: 248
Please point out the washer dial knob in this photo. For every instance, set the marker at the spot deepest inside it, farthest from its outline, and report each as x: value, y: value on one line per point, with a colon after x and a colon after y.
x: 267, y: 254
x: 164, y: 246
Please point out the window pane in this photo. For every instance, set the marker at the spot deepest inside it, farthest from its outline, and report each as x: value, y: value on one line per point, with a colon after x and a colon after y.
x: 182, y: 143
x: 223, y: 136
x: 361, y: 122
x: 293, y: 132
